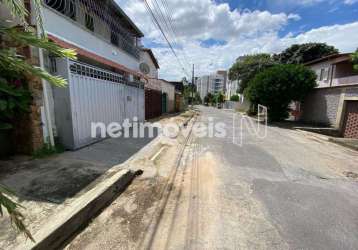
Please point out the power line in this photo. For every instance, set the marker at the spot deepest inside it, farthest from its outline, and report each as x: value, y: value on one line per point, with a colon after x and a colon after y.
x: 170, y: 17
x: 157, y: 23
x: 167, y: 21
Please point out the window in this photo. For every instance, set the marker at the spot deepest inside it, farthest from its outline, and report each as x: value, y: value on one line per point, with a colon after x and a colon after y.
x: 89, y: 22
x: 321, y: 75
x: 324, y: 74
x: 114, y: 38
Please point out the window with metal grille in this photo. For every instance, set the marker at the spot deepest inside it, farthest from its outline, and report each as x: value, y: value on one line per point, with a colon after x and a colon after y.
x: 114, y: 38
x: 66, y: 7
x: 89, y: 22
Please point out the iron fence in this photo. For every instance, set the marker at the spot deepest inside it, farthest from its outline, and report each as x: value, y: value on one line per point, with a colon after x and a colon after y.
x: 100, y: 17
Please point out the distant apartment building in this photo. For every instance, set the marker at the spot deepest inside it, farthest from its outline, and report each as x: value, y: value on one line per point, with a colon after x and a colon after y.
x: 213, y: 83
x: 224, y: 73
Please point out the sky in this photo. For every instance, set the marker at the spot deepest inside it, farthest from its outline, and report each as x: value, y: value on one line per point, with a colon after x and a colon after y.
x: 212, y: 34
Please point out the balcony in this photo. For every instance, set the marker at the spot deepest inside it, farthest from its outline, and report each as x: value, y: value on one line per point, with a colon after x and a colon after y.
x: 345, y: 80
x: 96, y: 26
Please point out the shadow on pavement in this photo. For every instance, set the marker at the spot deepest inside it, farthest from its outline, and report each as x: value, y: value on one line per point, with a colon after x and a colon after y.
x: 57, y: 178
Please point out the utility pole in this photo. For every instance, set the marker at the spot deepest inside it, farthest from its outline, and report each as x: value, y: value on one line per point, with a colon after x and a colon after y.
x: 192, y: 86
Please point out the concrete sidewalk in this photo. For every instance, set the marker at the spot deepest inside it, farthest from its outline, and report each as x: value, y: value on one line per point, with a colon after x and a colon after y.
x: 47, y: 187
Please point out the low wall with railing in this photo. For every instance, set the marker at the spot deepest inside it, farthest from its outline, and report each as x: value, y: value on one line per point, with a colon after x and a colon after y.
x: 69, y: 31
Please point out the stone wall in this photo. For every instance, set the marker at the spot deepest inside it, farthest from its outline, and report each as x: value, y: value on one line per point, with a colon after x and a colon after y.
x: 323, y: 105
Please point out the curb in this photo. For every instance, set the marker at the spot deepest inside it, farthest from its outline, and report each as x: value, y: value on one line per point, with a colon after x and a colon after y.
x: 327, y: 138
x: 63, y: 225
x: 343, y: 144
x: 317, y: 136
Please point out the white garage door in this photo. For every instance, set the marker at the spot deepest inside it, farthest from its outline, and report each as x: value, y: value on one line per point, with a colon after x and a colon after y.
x: 97, y: 95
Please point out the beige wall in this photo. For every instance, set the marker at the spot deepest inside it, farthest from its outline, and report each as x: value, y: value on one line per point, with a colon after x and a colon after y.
x: 153, y: 84
x: 335, y: 74
x: 170, y: 90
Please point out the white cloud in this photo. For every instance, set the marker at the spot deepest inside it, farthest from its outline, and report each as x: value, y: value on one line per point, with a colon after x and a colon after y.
x: 297, y: 2
x: 350, y: 2
x: 244, y: 31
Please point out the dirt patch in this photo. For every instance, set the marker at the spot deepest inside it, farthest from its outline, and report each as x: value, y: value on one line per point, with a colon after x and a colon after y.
x: 351, y: 175
x: 125, y: 221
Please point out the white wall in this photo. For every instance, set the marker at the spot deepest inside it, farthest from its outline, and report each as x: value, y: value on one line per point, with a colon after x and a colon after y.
x: 146, y: 58
x: 231, y: 88
x: 317, y: 68
x: 66, y: 29
x: 202, y: 86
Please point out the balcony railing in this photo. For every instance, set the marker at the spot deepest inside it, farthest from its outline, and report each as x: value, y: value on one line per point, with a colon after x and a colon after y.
x: 345, y: 80
x: 99, y: 18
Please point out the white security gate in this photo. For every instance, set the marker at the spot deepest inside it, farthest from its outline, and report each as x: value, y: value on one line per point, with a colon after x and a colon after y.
x: 93, y: 95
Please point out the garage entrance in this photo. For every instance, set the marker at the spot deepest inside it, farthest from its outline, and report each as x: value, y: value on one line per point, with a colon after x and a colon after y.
x: 350, y: 128
x: 93, y: 95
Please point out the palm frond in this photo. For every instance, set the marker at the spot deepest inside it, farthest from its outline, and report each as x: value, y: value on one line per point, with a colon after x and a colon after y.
x: 8, y: 59
x: 26, y: 38
x: 12, y: 207
x: 38, y: 15
x: 17, y: 9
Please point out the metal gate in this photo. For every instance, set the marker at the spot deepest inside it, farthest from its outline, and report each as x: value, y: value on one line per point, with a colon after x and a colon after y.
x: 350, y: 129
x: 93, y: 95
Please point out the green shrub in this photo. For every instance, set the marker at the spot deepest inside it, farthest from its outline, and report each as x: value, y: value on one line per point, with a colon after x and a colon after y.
x: 48, y: 150
x: 235, y: 98
x: 14, y: 100
x: 278, y: 86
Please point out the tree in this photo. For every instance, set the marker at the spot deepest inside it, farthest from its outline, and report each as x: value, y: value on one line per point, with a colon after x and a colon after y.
x: 219, y: 98
x: 190, y: 93
x: 278, y: 86
x: 247, y: 67
x: 208, y: 99
x: 197, y: 98
x: 355, y: 60
x: 14, y: 98
x: 302, y: 53
x: 235, y: 98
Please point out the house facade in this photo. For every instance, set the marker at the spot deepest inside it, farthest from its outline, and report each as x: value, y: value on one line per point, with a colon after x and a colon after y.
x: 334, y: 102
x: 149, y: 66
x: 179, y: 96
x: 153, y: 90
x: 104, y: 83
x: 168, y: 96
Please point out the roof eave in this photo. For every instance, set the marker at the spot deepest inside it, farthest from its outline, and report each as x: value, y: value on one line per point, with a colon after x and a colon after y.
x: 135, y: 27
x: 327, y: 58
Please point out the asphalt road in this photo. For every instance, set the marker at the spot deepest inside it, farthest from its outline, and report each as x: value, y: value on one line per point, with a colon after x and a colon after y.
x: 284, y: 191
